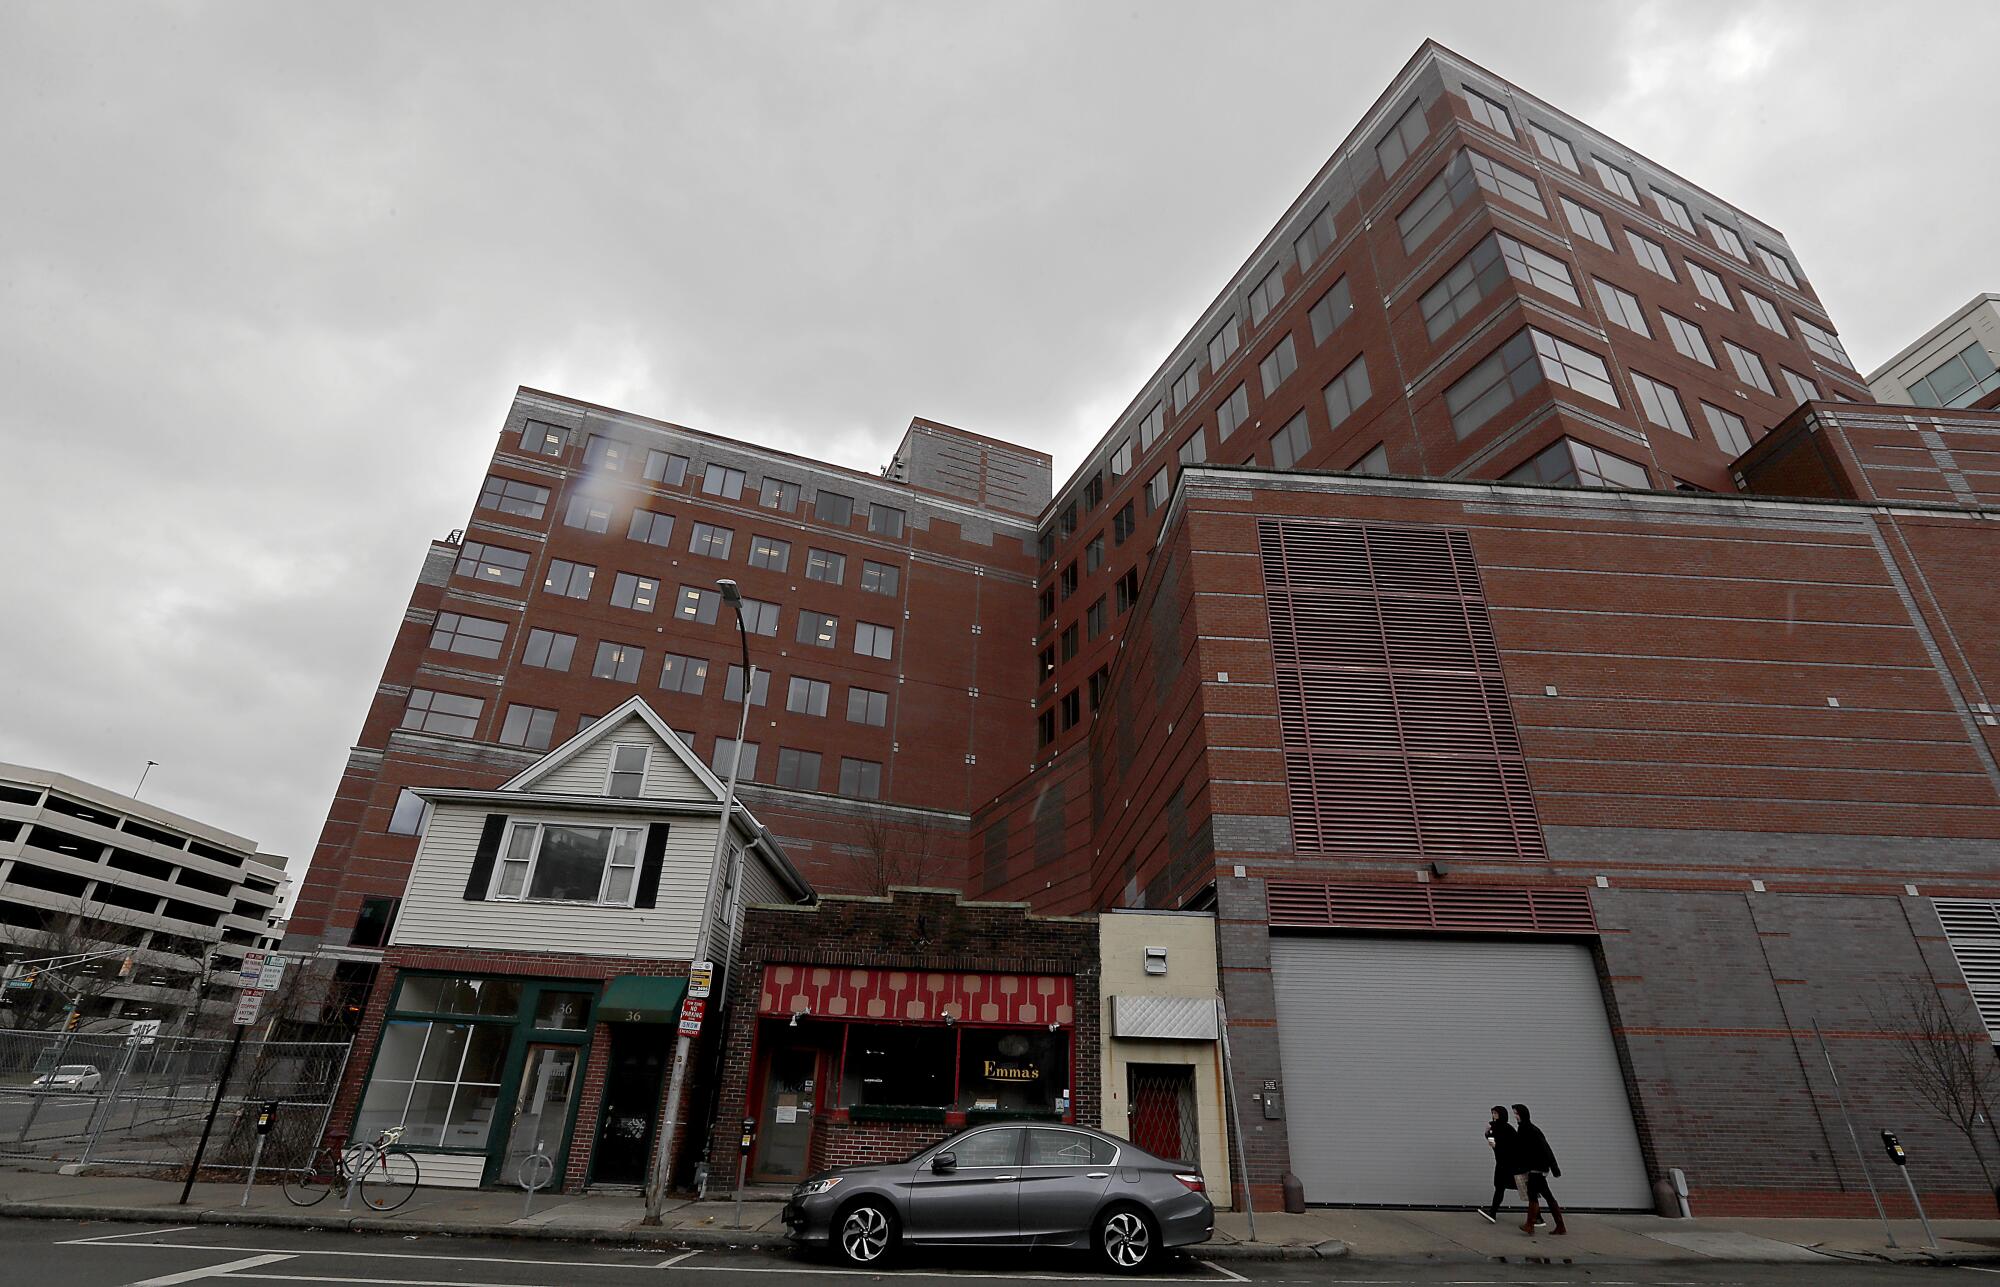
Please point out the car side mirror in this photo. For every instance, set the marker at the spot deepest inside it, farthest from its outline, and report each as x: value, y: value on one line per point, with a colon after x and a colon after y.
x: 944, y: 1162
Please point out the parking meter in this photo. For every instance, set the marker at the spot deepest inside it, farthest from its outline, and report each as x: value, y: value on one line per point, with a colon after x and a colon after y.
x: 1895, y: 1147
x: 749, y: 1126
x: 267, y: 1116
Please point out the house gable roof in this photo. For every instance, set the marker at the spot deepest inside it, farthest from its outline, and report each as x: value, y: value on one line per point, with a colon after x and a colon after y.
x: 535, y: 779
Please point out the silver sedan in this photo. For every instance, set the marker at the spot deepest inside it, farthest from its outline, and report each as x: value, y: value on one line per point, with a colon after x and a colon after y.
x: 1012, y: 1185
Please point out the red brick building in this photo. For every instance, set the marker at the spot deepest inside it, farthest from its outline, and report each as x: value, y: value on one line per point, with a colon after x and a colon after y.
x: 1504, y: 609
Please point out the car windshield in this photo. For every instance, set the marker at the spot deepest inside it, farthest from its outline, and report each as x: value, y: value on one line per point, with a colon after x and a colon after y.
x: 74, y: 1070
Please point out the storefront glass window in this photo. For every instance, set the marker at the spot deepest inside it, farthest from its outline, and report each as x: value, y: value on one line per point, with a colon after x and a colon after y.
x: 897, y: 1066
x: 439, y: 1080
x: 562, y: 1011
x: 459, y: 996
x: 1008, y: 1069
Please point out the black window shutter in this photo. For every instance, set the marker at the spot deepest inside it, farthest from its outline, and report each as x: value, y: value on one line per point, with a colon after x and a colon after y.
x: 649, y: 868
x: 482, y: 857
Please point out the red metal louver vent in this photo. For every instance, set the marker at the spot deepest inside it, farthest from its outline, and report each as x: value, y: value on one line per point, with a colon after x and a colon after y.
x: 1490, y: 909
x: 1399, y: 740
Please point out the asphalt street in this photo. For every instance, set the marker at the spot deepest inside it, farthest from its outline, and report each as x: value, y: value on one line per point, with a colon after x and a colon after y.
x: 51, y: 1253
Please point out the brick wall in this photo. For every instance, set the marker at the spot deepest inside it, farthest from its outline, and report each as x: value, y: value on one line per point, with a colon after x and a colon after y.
x: 912, y: 930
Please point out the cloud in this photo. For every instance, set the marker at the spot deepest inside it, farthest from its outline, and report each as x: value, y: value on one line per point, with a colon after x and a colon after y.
x: 272, y: 272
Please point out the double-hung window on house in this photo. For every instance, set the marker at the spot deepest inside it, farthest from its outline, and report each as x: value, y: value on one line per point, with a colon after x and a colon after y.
x: 565, y: 863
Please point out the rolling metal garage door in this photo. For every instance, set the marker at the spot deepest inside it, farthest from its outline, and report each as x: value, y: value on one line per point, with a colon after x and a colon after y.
x: 1394, y: 1048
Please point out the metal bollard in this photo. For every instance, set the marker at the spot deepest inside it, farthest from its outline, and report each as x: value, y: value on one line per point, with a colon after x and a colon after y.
x: 535, y: 1172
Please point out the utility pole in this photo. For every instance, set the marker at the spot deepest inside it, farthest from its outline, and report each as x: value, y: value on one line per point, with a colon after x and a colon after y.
x: 656, y: 1190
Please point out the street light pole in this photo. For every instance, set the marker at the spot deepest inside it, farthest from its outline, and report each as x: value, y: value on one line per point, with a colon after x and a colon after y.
x: 656, y: 1191
x: 150, y: 766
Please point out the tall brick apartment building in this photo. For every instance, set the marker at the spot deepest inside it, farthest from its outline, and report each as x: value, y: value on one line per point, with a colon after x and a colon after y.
x: 1500, y: 788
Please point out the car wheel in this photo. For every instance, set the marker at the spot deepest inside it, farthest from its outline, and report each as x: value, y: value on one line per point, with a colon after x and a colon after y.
x: 865, y: 1234
x: 1126, y: 1239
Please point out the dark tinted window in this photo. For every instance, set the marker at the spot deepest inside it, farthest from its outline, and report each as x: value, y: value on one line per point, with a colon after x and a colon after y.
x: 1050, y: 1147
x: 998, y: 1147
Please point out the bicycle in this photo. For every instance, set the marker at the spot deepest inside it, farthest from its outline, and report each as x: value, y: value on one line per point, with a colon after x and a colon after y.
x: 382, y: 1171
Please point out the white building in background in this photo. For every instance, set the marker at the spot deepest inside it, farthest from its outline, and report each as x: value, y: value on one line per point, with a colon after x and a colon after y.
x: 85, y: 869
x: 1954, y: 364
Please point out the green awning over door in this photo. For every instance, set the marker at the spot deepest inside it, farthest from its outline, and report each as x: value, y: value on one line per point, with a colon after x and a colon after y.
x: 641, y: 998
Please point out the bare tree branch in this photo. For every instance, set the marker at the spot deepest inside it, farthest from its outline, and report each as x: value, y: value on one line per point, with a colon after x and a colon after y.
x: 887, y: 854
x: 1948, y: 1070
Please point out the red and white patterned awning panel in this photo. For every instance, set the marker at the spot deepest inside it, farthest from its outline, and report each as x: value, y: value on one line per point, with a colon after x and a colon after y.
x: 915, y: 996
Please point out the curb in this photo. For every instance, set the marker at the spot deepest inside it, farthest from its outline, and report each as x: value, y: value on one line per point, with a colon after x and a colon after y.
x: 736, y: 1240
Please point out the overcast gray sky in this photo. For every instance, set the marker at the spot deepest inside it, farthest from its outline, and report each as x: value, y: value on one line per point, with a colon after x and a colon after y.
x: 271, y: 272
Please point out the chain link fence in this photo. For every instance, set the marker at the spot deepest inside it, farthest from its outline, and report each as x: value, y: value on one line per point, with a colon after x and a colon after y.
x: 141, y: 1101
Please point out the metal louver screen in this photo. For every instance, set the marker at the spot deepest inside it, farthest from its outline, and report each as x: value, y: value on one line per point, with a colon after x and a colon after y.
x: 1501, y: 909
x: 1399, y: 740
x: 1972, y: 925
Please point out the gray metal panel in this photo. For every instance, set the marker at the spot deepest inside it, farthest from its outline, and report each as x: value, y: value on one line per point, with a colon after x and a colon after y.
x: 1163, y: 1018
x: 1393, y: 1050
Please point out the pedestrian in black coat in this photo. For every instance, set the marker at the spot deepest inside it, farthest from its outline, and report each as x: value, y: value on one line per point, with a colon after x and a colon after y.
x: 1500, y: 1138
x: 1537, y: 1162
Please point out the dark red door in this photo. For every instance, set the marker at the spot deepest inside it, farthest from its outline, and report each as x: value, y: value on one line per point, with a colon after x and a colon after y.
x: 1156, y: 1116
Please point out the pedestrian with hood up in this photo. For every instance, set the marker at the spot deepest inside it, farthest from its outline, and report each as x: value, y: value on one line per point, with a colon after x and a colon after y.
x: 1500, y: 1138
x: 1537, y: 1162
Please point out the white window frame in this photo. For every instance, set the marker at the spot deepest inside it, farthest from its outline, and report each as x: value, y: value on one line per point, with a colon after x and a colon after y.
x: 534, y: 826
x: 611, y: 770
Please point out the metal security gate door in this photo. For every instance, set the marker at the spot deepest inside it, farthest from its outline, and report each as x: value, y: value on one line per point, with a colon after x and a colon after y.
x: 1393, y: 1049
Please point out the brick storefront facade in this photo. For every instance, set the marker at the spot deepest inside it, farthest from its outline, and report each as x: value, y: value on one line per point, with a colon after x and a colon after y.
x: 923, y: 931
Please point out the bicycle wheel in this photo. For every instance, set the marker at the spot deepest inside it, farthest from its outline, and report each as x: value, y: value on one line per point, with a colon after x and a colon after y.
x: 388, y: 1180
x: 307, y: 1185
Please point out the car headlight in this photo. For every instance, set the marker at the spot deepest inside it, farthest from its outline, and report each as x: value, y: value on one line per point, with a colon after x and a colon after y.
x: 813, y: 1188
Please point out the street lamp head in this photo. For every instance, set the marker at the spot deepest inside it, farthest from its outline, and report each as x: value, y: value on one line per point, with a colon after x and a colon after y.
x: 729, y: 591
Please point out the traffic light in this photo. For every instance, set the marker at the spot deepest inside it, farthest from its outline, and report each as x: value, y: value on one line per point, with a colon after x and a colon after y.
x: 75, y: 1017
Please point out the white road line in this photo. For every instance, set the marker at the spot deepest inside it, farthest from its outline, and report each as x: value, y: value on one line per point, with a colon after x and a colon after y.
x: 671, y: 1261
x: 941, y: 1272
x: 112, y: 1237
x: 1226, y: 1274
x: 212, y: 1271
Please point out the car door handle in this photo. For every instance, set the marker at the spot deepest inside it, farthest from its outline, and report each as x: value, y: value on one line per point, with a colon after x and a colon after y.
x: 1097, y: 1175
x: 1006, y: 1177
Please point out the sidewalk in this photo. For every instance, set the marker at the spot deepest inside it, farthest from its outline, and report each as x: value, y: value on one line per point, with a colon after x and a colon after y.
x: 1409, y: 1237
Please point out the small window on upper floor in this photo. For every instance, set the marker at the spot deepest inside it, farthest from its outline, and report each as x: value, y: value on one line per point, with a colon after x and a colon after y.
x: 1186, y: 385
x: 1093, y: 553
x: 1278, y: 364
x: 879, y: 578
x: 1402, y: 139
x: 1652, y: 254
x: 1777, y: 265
x: 885, y: 520
x: 1152, y: 426
x: 591, y: 513
x: 1093, y: 492
x: 1712, y: 287
x: 510, y: 496
x: 1585, y: 222
x: 1826, y: 343
x: 1346, y: 391
x: 408, y: 817
x: 825, y: 565
x: 776, y: 493
x: 871, y: 640
x: 1195, y: 450
x: 834, y: 508
x: 1675, y: 211
x: 720, y: 480
x: 1488, y: 113
x: 1290, y: 444
x: 1623, y: 307
x: 1332, y: 308
x: 1554, y: 147
x: 760, y: 617
x: 1157, y: 489
x: 608, y: 454
x: 1223, y: 343
x: 666, y: 468
x: 1235, y: 409
x: 1375, y: 462
x: 1066, y: 521
x: 1725, y: 239
x: 769, y: 552
x: 1615, y: 179
x: 540, y: 438
x: 1799, y: 386
x: 628, y: 770
x: 1569, y: 463
x: 1122, y: 526
x: 1766, y: 313
x: 1749, y: 366
x: 1309, y: 245
x: 1121, y: 459
x: 650, y: 528
x: 1265, y: 296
